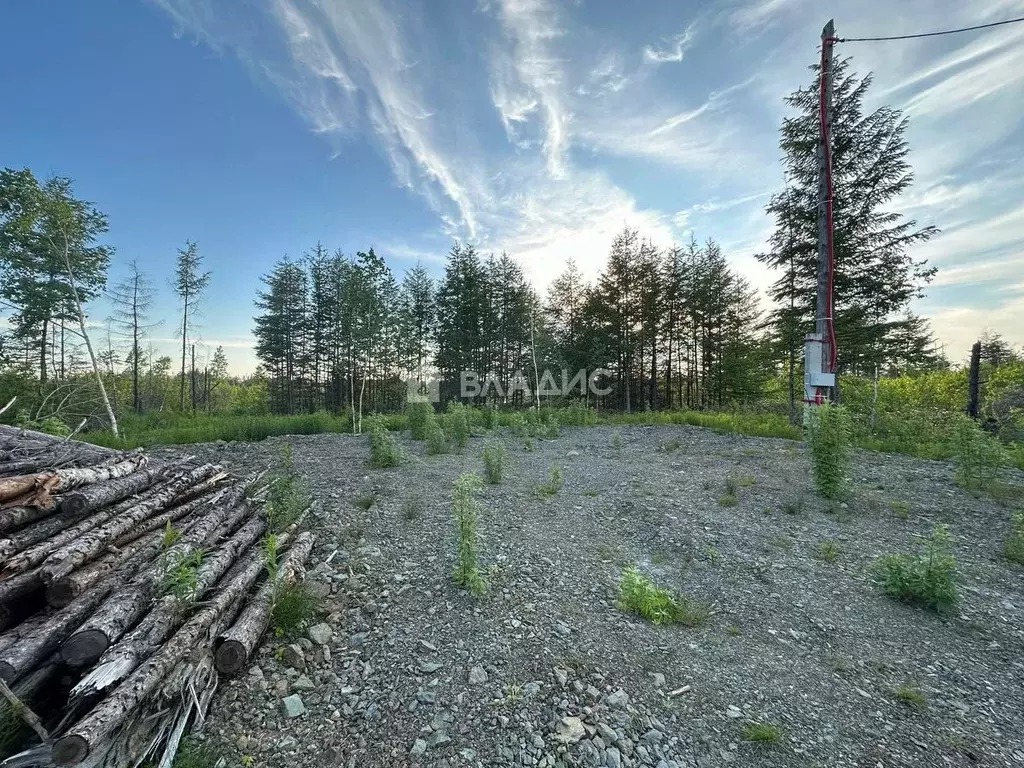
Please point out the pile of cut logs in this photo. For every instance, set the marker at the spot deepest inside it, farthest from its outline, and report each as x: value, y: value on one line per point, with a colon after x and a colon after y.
x: 126, y: 586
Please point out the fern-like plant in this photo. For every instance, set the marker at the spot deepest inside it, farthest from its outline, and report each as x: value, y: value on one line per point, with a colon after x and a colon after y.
x: 828, y: 433
x: 494, y: 457
x: 466, y: 513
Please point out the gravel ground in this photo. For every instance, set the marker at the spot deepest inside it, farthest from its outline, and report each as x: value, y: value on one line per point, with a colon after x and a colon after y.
x: 404, y: 668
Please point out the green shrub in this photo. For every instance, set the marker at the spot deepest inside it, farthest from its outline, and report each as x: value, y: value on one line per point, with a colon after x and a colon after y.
x: 828, y: 433
x: 420, y: 415
x: 979, y: 457
x: 494, y: 462
x: 554, y: 483
x: 551, y: 428
x: 616, y: 440
x: 437, y: 443
x: 466, y: 513
x: 728, y: 500
x: 384, y: 450
x: 412, y: 507
x: 1013, y: 550
x: 927, y: 579
x: 457, y: 424
x: 639, y: 595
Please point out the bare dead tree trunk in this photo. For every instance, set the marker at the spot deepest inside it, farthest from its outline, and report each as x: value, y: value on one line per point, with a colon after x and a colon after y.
x: 88, y: 342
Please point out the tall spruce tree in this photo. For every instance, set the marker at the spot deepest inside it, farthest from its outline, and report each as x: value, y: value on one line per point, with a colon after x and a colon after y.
x: 875, y: 276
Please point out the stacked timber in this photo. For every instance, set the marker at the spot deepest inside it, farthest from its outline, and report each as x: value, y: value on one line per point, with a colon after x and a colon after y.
x: 127, y: 586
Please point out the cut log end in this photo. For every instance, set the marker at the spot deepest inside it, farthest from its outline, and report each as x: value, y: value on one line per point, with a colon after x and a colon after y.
x: 230, y: 657
x: 74, y: 503
x: 70, y: 750
x: 7, y: 672
x: 84, y: 648
x: 60, y: 593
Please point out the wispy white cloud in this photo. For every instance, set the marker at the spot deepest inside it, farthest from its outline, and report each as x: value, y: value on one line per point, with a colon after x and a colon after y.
x: 673, y: 52
x: 576, y: 104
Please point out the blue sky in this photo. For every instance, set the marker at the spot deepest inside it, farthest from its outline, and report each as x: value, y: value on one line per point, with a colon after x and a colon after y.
x: 257, y: 127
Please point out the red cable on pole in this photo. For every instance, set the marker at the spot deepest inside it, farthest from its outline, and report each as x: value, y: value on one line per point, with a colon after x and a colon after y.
x: 823, y: 120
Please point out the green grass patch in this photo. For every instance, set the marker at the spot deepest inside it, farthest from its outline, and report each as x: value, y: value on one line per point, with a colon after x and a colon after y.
x: 828, y: 551
x: 639, y: 595
x: 466, y: 512
x: 728, y: 500
x: 912, y: 697
x: 764, y: 734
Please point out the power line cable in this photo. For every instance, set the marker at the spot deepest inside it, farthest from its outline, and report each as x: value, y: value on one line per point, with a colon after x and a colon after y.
x: 929, y: 34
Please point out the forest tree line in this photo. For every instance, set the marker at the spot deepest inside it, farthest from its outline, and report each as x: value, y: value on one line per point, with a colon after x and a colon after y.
x: 675, y: 326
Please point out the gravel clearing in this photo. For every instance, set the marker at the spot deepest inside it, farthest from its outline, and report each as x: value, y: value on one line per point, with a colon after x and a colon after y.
x: 404, y: 668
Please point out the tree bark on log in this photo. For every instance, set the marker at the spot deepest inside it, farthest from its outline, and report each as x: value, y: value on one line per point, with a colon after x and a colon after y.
x: 37, y: 490
x: 19, y: 586
x: 35, y: 555
x: 110, y: 492
x: 35, y: 645
x: 61, y: 562
x: 129, y: 602
x: 91, y: 732
x: 19, y: 541
x: 233, y: 647
x: 13, y: 518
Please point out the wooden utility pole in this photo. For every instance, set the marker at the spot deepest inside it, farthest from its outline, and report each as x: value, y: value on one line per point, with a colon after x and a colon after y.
x: 819, y: 375
x: 824, y: 205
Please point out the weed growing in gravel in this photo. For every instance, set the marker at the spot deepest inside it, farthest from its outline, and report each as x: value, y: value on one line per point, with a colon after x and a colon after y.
x: 466, y: 512
x: 412, y: 507
x: 828, y: 551
x: 490, y: 417
x: 912, y: 697
x: 384, y: 450
x: 746, y: 481
x: 551, y: 429
x: 671, y: 446
x: 766, y: 734
x: 421, y: 416
x: 728, y: 500
x: 528, y: 444
x: 828, y: 434
x: 927, y: 579
x: 1013, y: 549
x: 293, y: 607
x: 495, y: 456
x: 437, y: 443
x: 978, y: 456
x: 733, y: 631
x: 639, y: 595
x: 365, y: 500
x: 457, y: 424
x: 616, y: 440
x: 554, y: 483
x: 287, y: 495
x: 592, y: 492
x: 732, y: 488
x: 794, y: 506
x: 901, y: 509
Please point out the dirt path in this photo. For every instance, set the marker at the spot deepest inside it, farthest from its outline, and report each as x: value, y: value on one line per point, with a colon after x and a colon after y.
x: 545, y: 670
